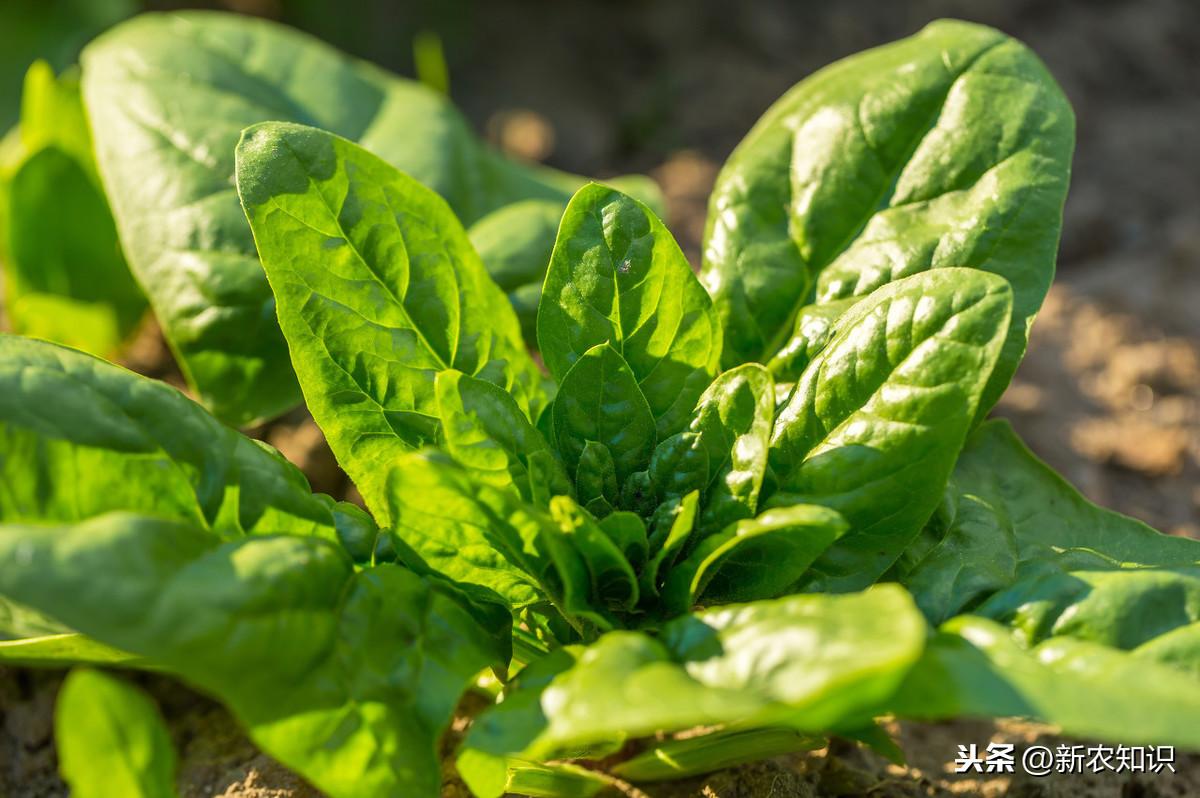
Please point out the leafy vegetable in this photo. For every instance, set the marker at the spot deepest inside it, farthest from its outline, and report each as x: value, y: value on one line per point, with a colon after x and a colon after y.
x: 617, y: 277
x: 950, y: 148
x: 876, y: 421
x: 666, y: 567
x: 349, y: 677
x: 1013, y: 519
x: 974, y: 668
x: 396, y: 295
x: 169, y: 95
x: 66, y: 280
x: 111, y: 739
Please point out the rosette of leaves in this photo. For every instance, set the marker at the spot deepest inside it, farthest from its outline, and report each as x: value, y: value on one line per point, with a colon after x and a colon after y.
x: 668, y: 564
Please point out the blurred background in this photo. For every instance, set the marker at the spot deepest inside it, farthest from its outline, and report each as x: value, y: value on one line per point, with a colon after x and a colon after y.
x: 1110, y: 393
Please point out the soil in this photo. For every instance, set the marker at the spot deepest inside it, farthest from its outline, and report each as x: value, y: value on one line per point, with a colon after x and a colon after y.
x: 1109, y: 393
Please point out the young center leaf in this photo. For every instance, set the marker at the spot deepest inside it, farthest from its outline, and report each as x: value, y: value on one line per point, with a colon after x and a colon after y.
x: 169, y: 95
x: 111, y: 739
x: 950, y: 148
x: 346, y: 676
x: 617, y: 277
x: 876, y: 422
x: 600, y: 401
x: 377, y: 290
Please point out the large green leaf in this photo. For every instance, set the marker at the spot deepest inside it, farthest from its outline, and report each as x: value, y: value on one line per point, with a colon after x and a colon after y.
x: 618, y: 277
x: 111, y: 739
x: 169, y: 95
x: 600, y: 400
x: 973, y: 667
x: 377, y: 290
x: 80, y: 437
x: 808, y: 662
x: 949, y: 148
x: 66, y: 280
x: 877, y: 420
x: 348, y: 677
x: 1013, y: 518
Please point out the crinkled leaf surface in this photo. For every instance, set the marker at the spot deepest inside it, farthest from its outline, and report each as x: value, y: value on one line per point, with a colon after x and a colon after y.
x: 973, y: 667
x: 348, y: 677
x: 949, y: 148
x: 169, y: 95
x: 80, y: 437
x: 733, y: 420
x: 811, y: 331
x: 876, y: 422
x: 812, y: 662
x: 757, y: 558
x: 378, y: 290
x: 111, y: 739
x: 617, y: 277
x: 1014, y: 518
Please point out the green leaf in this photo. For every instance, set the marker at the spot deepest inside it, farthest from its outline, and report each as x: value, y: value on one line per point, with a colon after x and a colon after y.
x: 692, y: 756
x: 1012, y: 518
x: 169, y: 95
x: 111, y: 739
x: 66, y: 280
x: 734, y: 419
x: 1179, y: 649
x: 596, y: 476
x: 949, y: 148
x: 515, y: 243
x: 618, y: 277
x: 469, y: 531
x: 974, y: 668
x: 377, y: 290
x: 628, y: 531
x: 599, y: 400
x: 806, y: 662
x: 614, y: 584
x: 347, y: 677
x: 671, y: 529
x: 81, y: 437
x: 877, y: 421
x: 485, y: 431
x: 63, y: 649
x: 812, y: 330
x: 1118, y: 608
x: 32, y: 29
x: 757, y: 558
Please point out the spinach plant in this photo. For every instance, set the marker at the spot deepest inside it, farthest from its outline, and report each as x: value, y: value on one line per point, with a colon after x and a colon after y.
x: 760, y: 514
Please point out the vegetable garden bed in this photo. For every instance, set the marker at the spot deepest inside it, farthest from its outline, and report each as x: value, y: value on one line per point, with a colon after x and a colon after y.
x: 673, y: 528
